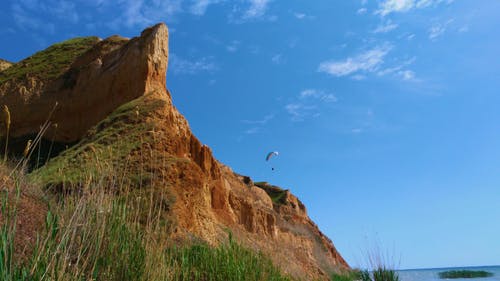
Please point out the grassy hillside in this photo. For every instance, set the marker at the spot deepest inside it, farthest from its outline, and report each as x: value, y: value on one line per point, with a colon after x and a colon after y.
x: 108, y: 147
x: 51, y: 62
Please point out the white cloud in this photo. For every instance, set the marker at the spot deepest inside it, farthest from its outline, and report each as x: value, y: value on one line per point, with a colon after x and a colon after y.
x: 358, y: 77
x: 309, y: 103
x: 368, y: 61
x: 257, y: 9
x: 262, y: 121
x: 391, y: 6
x: 257, y: 124
x: 318, y: 95
x: 400, y: 70
x: 427, y: 3
x: 299, y: 15
x: 386, y: 27
x: 438, y: 29
x: 32, y: 15
x: 361, y: 11
x: 463, y: 29
x: 303, y: 16
x: 144, y: 12
x: 233, y: 46
x: 407, y: 75
x: 277, y: 59
x: 300, y: 111
x: 400, y: 6
x: 199, y: 7
x: 179, y: 65
x: 252, y: 131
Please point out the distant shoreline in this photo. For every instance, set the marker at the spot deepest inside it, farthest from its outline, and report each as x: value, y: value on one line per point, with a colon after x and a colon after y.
x: 448, y: 268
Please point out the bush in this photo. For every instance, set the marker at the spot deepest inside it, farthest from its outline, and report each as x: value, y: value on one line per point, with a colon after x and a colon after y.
x: 452, y: 274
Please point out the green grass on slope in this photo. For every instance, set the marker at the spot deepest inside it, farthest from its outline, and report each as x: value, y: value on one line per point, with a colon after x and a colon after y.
x: 277, y: 194
x: 105, y: 149
x: 229, y: 261
x: 51, y: 62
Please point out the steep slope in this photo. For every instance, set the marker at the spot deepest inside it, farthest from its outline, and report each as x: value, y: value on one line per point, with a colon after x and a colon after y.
x: 129, y: 132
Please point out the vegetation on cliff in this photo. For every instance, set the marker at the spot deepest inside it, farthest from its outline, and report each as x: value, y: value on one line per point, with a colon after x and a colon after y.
x: 101, y: 235
x: 51, y: 62
x: 104, y: 149
x: 277, y: 194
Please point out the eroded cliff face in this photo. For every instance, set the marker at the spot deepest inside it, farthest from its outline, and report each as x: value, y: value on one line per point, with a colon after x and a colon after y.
x: 118, y: 102
x: 109, y: 73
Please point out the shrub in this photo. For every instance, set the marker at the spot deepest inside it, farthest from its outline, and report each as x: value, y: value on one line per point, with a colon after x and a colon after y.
x: 452, y: 274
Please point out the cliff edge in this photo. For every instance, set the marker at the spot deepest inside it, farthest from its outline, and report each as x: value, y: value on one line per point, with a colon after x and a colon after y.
x: 107, y: 107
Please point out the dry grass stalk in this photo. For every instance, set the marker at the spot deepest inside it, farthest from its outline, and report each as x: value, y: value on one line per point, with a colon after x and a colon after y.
x: 7, y: 128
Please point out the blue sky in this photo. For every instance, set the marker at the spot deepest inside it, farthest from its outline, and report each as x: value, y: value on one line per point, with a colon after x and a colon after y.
x: 385, y: 112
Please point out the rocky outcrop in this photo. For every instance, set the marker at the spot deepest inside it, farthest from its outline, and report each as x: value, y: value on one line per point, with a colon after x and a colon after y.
x: 112, y: 72
x: 4, y: 64
x: 119, y: 86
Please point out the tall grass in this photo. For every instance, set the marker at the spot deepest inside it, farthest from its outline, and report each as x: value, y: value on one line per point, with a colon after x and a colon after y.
x: 229, y: 261
x: 380, y: 267
x: 102, y: 234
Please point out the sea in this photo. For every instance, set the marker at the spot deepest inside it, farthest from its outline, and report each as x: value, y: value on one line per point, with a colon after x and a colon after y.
x: 431, y: 274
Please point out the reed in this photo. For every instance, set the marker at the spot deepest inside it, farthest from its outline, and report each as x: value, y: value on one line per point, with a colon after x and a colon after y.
x: 7, y: 120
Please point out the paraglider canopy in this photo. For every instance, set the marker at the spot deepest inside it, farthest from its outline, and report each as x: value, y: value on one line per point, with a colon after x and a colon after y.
x: 271, y: 154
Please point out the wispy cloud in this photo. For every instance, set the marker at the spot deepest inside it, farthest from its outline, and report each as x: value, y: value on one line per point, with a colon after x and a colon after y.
x: 25, y: 21
x: 463, y: 29
x: 309, y: 103
x: 32, y: 15
x: 299, y: 111
x: 407, y: 75
x: 262, y: 121
x: 302, y: 16
x: 317, y: 95
x: 438, y: 29
x: 179, y: 65
x: 401, y: 71
x: 199, y: 7
x: 257, y: 9
x: 368, y: 61
x: 252, y: 131
x: 257, y: 125
x: 278, y: 59
x: 233, y: 46
x: 145, y: 12
x: 361, y: 11
x: 385, y: 27
x: 400, y: 6
x: 392, y: 6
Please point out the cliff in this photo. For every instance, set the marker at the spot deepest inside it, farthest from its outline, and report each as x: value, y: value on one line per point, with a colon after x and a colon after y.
x: 115, y: 119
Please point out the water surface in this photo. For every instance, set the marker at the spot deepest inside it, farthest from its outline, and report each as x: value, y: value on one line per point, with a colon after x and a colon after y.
x: 431, y: 274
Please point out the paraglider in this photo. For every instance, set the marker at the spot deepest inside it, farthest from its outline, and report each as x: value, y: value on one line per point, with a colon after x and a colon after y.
x: 270, y: 155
